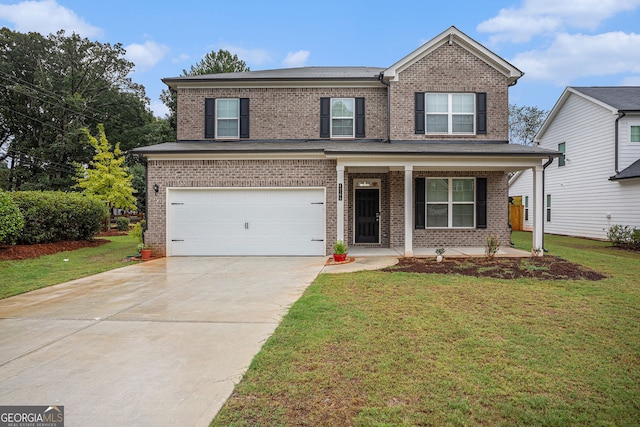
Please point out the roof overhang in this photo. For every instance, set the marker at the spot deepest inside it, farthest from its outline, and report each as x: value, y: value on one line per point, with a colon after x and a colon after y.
x: 451, y: 36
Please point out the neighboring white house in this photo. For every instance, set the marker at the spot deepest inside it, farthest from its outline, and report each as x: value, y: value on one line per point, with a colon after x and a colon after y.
x: 596, y: 183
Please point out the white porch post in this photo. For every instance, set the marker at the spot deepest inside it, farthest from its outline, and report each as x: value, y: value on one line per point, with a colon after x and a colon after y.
x: 408, y: 211
x: 340, y: 203
x: 538, y: 204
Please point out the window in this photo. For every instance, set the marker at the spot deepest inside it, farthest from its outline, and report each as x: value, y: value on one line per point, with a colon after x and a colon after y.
x: 635, y: 133
x: 561, y: 159
x: 450, y: 113
x: 342, y: 117
x: 548, y: 207
x: 526, y: 208
x: 227, y: 118
x: 450, y: 202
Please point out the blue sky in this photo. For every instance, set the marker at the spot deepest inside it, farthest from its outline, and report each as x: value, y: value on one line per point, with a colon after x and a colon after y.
x: 555, y: 42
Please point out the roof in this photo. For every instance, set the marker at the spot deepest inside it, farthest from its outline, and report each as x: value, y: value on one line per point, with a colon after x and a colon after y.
x: 622, y: 98
x: 290, y: 74
x: 454, y: 35
x: 632, y: 171
x: 614, y: 98
x: 400, y: 148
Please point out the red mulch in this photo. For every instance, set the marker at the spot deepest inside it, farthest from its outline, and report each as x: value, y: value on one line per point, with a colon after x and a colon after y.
x: 546, y: 268
x: 16, y: 252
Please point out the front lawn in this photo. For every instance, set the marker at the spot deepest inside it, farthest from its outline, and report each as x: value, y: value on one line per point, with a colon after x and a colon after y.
x: 375, y: 348
x: 27, y: 275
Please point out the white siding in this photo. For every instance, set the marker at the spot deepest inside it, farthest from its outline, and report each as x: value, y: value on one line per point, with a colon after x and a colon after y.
x: 629, y: 152
x: 581, y: 194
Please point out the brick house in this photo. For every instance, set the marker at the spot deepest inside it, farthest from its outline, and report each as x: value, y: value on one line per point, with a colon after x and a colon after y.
x: 286, y: 162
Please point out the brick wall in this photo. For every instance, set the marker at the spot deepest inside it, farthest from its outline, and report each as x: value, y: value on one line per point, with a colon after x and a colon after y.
x: 449, y: 69
x: 281, y: 113
x: 235, y: 173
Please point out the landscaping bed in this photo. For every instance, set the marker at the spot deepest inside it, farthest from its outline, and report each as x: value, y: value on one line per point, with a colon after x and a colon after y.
x: 16, y: 252
x: 546, y: 268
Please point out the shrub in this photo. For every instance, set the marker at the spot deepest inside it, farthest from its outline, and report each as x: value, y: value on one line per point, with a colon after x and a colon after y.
x: 51, y: 216
x: 122, y: 223
x: 340, y: 248
x: 492, y: 246
x: 11, y: 219
x: 136, y: 232
x: 620, y: 235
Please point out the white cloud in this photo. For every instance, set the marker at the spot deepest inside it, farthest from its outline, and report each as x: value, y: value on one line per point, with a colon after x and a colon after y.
x: 250, y: 56
x: 159, y: 109
x: 572, y: 56
x: 46, y: 17
x: 539, y: 17
x: 296, y: 59
x: 631, y: 81
x: 145, y: 55
x: 180, y: 58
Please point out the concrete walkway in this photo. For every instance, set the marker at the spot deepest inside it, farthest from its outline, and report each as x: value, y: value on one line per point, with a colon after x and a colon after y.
x: 160, y: 343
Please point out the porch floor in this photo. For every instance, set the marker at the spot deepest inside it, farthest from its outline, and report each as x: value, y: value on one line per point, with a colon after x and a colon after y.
x: 356, y: 251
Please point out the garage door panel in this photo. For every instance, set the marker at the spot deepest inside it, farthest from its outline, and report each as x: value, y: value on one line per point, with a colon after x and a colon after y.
x: 247, y: 222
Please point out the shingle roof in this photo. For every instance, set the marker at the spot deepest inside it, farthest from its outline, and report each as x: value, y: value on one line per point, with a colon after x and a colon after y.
x: 622, y: 98
x: 633, y: 171
x: 301, y: 73
x: 438, y: 148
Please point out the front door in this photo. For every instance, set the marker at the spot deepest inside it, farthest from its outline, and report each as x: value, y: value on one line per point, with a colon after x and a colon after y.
x: 367, y: 203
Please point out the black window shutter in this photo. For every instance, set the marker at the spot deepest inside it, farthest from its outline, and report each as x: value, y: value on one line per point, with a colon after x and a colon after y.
x: 325, y: 117
x: 244, y: 117
x: 481, y: 113
x: 420, y: 200
x: 359, y: 117
x: 481, y: 202
x: 419, y: 109
x: 209, y: 118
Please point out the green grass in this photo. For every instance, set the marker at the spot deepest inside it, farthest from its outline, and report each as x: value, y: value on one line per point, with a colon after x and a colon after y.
x: 387, y: 349
x: 30, y: 274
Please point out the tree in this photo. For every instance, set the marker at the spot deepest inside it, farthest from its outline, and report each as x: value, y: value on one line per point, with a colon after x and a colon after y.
x: 106, y: 176
x: 52, y: 87
x: 524, y: 123
x: 212, y: 63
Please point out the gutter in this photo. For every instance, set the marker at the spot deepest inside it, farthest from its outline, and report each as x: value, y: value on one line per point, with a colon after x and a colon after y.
x: 388, y: 85
x: 543, y: 200
x: 621, y: 114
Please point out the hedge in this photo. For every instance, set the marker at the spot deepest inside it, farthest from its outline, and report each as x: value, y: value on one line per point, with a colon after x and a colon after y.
x: 11, y: 219
x: 51, y: 216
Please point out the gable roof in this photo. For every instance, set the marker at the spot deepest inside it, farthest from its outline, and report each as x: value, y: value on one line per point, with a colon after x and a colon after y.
x: 614, y: 98
x: 454, y: 35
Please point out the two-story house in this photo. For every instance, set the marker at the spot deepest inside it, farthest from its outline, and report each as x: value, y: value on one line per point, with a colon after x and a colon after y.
x: 286, y: 162
x: 596, y: 182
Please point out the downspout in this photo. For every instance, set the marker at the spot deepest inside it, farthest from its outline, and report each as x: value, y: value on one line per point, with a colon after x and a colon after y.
x: 621, y: 114
x: 388, y: 85
x: 543, y: 200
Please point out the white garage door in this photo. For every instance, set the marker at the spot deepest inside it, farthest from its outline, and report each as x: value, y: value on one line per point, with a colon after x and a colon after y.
x: 246, y: 221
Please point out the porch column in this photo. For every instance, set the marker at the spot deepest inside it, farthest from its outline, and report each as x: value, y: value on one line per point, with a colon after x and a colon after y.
x: 340, y: 203
x: 408, y: 211
x: 538, y: 211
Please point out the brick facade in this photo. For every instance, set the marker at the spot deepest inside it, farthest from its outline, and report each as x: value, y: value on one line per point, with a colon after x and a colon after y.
x: 281, y: 113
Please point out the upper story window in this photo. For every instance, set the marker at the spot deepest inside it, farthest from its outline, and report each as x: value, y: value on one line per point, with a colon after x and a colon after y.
x: 342, y: 118
x: 450, y: 113
x: 635, y: 133
x: 562, y: 159
x: 226, y: 118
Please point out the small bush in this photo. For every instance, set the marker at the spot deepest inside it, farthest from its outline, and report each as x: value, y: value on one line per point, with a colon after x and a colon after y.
x: 340, y: 248
x: 136, y: 232
x: 492, y: 246
x: 624, y: 236
x: 122, y: 223
x: 11, y: 219
x: 51, y: 216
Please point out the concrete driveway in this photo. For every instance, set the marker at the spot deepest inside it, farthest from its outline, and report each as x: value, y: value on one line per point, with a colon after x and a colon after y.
x: 160, y: 343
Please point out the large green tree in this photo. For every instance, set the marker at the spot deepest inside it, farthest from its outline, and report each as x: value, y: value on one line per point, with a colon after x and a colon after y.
x: 213, y: 62
x: 52, y: 87
x: 524, y: 123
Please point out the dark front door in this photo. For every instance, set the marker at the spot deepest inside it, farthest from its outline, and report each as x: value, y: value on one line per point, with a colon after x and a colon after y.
x: 367, y: 215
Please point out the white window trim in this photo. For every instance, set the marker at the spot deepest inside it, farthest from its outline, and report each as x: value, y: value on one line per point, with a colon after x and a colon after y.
x: 353, y: 120
x: 450, y: 114
x: 227, y: 118
x: 450, y: 203
x: 630, y: 126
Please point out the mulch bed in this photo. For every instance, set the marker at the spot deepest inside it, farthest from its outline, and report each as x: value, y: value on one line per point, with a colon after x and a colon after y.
x: 546, y: 268
x: 17, y: 252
